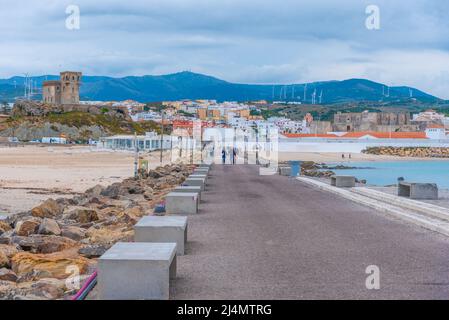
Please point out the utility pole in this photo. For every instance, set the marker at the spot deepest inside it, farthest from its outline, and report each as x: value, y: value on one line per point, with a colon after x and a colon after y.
x: 171, y: 149
x: 136, y: 156
x: 245, y: 155
x: 191, y: 149
x: 162, y: 133
x: 257, y: 145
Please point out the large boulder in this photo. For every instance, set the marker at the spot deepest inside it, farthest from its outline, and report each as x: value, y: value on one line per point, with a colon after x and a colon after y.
x: 43, y: 289
x: 80, y: 214
x: 49, y: 227
x: 48, y: 209
x: 7, y: 275
x: 37, y: 243
x: 27, y: 226
x: 4, y: 227
x: 114, y: 190
x: 73, y: 232
x: 130, y: 216
x: 95, y: 191
x: 6, y: 253
x: 48, y: 265
x: 93, y: 251
x: 108, y: 236
x: 30, y: 108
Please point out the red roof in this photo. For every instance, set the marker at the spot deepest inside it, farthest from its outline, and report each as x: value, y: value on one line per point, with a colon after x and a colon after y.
x: 435, y: 126
x: 386, y: 135
x: 358, y: 135
x: 309, y: 135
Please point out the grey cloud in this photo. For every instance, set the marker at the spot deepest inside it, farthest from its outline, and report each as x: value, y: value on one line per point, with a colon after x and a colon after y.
x: 256, y: 41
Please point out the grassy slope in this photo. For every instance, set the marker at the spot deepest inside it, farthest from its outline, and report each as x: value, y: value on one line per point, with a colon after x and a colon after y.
x: 111, y: 125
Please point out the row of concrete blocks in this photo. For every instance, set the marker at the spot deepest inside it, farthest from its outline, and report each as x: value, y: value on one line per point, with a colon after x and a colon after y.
x: 186, y: 198
x: 142, y: 270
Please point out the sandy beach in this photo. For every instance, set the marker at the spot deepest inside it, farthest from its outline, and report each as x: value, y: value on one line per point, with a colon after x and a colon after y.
x: 31, y: 174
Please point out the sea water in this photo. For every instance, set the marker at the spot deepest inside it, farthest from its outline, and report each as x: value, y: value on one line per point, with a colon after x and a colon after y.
x: 387, y: 173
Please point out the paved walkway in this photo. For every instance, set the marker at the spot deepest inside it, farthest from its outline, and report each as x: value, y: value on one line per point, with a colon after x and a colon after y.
x: 272, y: 237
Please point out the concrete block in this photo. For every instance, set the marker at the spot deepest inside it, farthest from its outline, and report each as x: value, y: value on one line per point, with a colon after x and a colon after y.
x: 199, y: 176
x: 204, y: 165
x: 343, y: 181
x: 136, y: 271
x: 285, y: 171
x: 419, y: 191
x: 201, y: 171
x: 181, y: 203
x: 171, y: 229
x: 195, y: 182
x: 189, y: 189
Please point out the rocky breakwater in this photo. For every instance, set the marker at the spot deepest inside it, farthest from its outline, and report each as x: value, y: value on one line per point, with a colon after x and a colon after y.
x: 42, y: 249
x: 313, y: 169
x: 321, y: 170
x: 420, y: 152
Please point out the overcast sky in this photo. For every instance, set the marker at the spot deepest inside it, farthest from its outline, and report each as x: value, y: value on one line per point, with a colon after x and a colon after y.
x: 247, y: 41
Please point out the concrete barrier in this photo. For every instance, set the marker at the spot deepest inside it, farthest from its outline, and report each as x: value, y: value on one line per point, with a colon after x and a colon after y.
x: 136, y: 271
x: 285, y: 171
x: 189, y: 189
x: 199, y: 176
x: 201, y: 171
x: 343, y: 181
x: 195, y: 182
x: 422, y: 191
x: 181, y: 203
x: 163, y: 229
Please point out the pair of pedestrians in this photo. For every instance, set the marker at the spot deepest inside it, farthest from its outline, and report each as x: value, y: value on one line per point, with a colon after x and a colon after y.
x: 233, y: 155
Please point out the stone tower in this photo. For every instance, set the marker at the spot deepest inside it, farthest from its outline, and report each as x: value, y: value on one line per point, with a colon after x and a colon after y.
x: 63, y: 91
x: 70, y: 87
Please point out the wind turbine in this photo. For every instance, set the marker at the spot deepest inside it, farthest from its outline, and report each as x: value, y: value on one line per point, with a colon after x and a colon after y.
x: 314, y: 96
x: 305, y: 92
x: 321, y: 96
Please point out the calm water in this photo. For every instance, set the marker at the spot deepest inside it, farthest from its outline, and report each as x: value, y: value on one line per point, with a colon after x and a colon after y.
x: 386, y: 173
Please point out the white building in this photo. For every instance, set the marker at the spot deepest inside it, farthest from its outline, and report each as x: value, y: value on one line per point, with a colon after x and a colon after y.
x: 436, y: 132
x: 149, y: 142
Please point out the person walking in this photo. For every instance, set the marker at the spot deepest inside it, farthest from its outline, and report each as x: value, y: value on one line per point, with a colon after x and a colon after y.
x: 223, y: 156
x: 234, y: 155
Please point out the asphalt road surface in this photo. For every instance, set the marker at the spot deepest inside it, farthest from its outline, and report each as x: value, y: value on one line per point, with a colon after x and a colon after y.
x: 272, y: 237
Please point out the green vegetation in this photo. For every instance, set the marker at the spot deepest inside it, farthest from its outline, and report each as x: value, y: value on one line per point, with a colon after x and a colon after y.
x: 111, y: 124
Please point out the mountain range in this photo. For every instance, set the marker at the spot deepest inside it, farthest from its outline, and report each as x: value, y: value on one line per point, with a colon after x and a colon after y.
x: 189, y: 85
